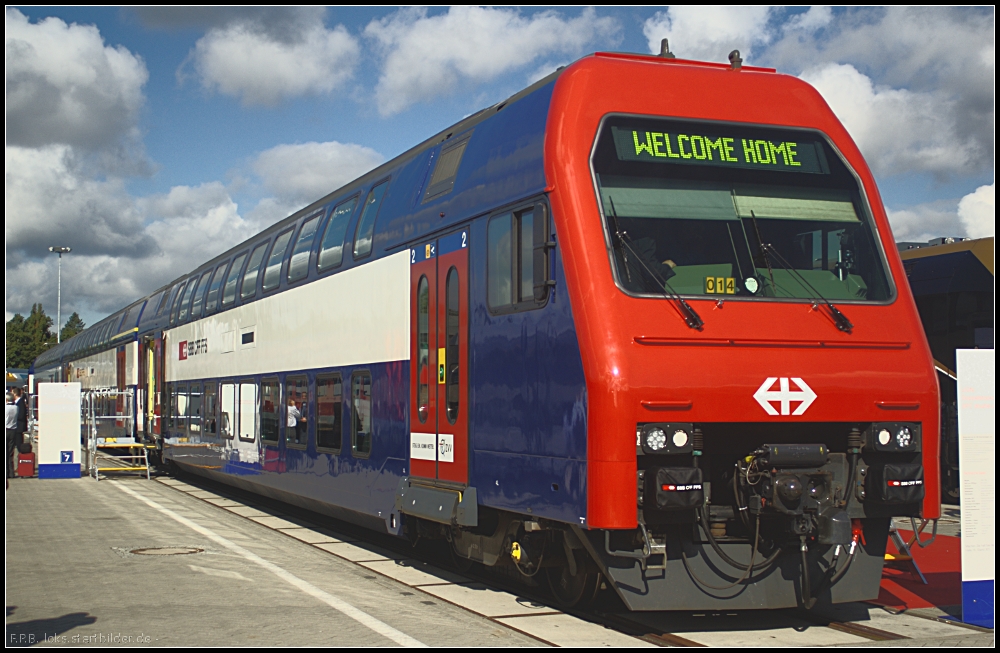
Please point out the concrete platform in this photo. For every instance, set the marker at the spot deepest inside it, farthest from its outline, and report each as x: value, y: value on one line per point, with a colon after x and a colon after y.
x: 235, y: 569
x: 72, y: 578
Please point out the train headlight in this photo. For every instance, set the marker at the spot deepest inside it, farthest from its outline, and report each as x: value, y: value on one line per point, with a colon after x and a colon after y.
x: 665, y: 438
x: 656, y: 439
x: 895, y: 436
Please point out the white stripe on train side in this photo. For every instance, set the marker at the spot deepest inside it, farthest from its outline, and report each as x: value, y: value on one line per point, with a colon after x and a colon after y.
x: 356, y: 317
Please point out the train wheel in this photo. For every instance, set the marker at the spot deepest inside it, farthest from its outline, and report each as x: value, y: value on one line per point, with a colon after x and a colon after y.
x: 460, y: 563
x: 574, y: 591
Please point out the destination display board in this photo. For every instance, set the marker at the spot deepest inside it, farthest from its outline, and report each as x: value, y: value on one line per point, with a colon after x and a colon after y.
x: 659, y: 142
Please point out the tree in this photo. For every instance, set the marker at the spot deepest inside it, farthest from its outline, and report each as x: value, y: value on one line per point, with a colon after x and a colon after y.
x: 28, y: 337
x: 73, y: 326
x: 16, y: 352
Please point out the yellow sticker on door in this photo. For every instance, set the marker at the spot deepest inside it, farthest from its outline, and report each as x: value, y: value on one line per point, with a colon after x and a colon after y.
x: 720, y: 286
x: 441, y: 368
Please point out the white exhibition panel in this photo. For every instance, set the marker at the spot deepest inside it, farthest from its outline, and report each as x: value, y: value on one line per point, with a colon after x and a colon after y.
x: 977, y: 461
x: 355, y: 317
x: 58, y: 424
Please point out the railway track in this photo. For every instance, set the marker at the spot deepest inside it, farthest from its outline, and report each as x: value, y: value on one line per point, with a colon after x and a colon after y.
x: 528, y: 610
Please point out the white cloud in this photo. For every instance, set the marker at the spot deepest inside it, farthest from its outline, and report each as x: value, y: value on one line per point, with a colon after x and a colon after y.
x: 923, y: 222
x: 897, y: 130
x: 942, y: 56
x: 258, y: 67
x: 51, y: 198
x: 708, y: 33
x: 977, y: 212
x: 306, y: 172
x: 811, y: 20
x: 65, y: 86
x: 427, y: 56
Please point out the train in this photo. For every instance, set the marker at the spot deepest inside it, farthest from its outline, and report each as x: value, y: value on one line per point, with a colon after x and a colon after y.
x: 641, y: 326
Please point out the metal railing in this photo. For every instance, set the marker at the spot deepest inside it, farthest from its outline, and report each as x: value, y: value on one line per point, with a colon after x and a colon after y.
x: 109, y: 433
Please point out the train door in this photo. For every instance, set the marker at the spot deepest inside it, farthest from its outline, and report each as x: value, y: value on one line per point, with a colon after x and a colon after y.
x: 120, y: 364
x: 439, y: 351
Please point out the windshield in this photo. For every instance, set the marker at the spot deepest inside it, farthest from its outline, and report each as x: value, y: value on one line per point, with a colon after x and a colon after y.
x: 735, y: 211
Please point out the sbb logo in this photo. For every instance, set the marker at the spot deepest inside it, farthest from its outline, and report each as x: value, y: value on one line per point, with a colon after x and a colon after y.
x: 182, y: 350
x: 766, y: 395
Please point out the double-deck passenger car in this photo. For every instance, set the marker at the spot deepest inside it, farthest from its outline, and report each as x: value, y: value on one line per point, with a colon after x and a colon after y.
x: 643, y: 322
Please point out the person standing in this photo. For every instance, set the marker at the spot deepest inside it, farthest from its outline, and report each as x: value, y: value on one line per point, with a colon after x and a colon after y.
x: 21, y: 402
x: 10, y: 422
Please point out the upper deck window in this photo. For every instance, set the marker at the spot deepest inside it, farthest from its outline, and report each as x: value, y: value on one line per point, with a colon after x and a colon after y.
x: 331, y: 252
x: 229, y: 291
x: 249, y: 284
x: 272, y: 274
x: 717, y: 209
x: 212, y: 300
x: 446, y: 169
x: 298, y: 266
x: 366, y: 225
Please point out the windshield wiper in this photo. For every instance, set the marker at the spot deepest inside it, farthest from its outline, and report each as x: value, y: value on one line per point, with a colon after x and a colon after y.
x: 763, y: 251
x: 688, y: 314
x: 839, y: 319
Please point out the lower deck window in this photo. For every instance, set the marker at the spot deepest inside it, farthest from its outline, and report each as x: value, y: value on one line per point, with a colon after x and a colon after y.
x: 270, y: 401
x: 329, y: 408
x: 297, y: 411
x: 361, y: 396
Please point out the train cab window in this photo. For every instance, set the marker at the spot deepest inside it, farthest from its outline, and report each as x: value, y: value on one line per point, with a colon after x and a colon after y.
x: 199, y: 295
x: 272, y: 274
x: 297, y: 411
x: 446, y: 169
x: 749, y: 212
x: 423, y: 349
x: 366, y: 225
x: 177, y: 304
x: 228, y: 416
x: 181, y: 410
x: 298, y: 266
x: 247, y: 411
x: 182, y: 315
x: 516, y: 260
x: 329, y: 409
x: 195, y: 408
x: 249, y: 284
x: 361, y: 414
x: 452, y: 335
x: 229, y: 292
x: 211, y: 427
x: 270, y: 410
x: 331, y: 252
x: 212, y: 299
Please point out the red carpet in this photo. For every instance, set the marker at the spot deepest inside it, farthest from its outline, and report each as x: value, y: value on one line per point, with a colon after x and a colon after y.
x: 941, y: 563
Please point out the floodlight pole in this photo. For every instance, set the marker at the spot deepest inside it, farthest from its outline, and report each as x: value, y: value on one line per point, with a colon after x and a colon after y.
x: 60, y: 251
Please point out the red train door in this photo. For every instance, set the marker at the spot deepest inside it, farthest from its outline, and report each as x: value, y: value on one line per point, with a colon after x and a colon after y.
x: 439, y: 359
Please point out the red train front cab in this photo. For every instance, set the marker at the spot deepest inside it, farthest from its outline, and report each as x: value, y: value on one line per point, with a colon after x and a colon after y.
x: 748, y: 371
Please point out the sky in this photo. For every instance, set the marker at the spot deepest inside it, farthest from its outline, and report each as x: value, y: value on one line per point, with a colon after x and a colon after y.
x: 151, y: 140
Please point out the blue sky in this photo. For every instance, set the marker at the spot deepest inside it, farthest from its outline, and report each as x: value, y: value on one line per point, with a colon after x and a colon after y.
x: 150, y: 140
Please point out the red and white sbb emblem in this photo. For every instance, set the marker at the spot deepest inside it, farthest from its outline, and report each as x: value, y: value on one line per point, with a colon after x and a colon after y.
x: 784, y: 396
